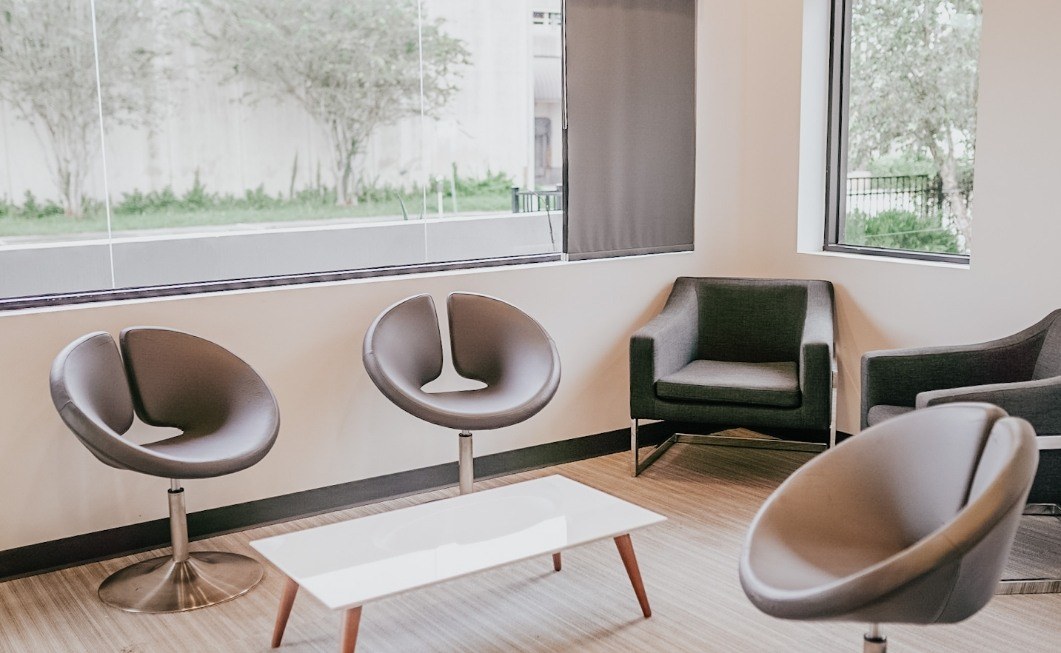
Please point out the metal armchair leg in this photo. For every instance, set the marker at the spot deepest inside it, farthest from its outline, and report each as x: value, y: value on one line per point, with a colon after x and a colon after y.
x: 642, y: 465
x: 775, y: 444
x: 832, y: 404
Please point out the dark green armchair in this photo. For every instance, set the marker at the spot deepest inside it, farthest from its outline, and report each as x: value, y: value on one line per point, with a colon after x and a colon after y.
x: 756, y: 353
x: 1020, y: 373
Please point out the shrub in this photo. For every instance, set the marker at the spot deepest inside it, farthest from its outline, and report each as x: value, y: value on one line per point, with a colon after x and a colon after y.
x: 197, y: 199
x: 314, y: 197
x: 137, y: 202
x: 900, y: 230
x: 259, y: 199
x: 489, y: 184
x: 32, y: 209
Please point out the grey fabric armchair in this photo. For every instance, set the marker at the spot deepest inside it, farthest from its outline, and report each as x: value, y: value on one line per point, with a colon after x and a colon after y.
x: 910, y: 522
x: 1020, y: 373
x: 737, y: 352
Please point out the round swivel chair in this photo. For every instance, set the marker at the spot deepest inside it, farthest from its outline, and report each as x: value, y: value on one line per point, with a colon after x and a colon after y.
x: 491, y: 341
x: 910, y: 521
x: 228, y: 420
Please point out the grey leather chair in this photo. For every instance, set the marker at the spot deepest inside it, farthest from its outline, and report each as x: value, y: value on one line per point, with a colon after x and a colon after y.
x: 228, y: 420
x: 725, y: 352
x: 910, y: 521
x: 491, y: 341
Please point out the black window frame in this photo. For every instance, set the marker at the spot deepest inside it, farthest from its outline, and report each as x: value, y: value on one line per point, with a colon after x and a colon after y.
x: 837, y: 148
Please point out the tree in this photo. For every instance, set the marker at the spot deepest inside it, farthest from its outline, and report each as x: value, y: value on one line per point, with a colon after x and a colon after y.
x: 913, y: 89
x: 48, y: 74
x: 352, y: 65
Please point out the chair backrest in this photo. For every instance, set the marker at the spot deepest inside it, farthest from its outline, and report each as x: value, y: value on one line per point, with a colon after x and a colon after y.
x: 403, y: 348
x: 89, y: 390
x: 187, y: 382
x: 988, y: 522
x: 899, y: 480
x: 1048, y: 363
x: 750, y: 320
x: 495, y: 342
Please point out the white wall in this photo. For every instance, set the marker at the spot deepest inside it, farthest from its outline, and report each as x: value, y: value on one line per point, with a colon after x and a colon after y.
x: 1013, y: 279
x: 336, y: 427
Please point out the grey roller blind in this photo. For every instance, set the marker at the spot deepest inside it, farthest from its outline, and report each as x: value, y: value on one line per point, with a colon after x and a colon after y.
x: 631, y: 105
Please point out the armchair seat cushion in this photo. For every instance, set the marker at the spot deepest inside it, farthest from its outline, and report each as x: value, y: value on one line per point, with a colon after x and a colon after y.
x: 881, y: 412
x: 763, y: 384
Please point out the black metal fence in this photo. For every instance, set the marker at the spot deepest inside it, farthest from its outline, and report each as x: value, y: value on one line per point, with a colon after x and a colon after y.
x: 530, y: 201
x: 920, y: 194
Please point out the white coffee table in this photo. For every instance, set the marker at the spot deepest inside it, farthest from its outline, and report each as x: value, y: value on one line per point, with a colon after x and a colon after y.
x: 348, y: 564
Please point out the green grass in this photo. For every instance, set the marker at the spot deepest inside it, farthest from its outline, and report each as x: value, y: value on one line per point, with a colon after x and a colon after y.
x: 158, y: 215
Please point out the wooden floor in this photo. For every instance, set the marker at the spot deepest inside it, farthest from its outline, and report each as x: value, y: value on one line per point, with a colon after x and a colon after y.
x: 689, y: 565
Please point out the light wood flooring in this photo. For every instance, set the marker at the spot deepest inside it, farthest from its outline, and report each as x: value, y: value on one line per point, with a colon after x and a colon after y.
x: 689, y: 565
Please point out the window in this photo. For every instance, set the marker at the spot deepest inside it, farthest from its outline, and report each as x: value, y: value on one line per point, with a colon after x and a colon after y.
x: 903, y: 127
x: 547, y: 17
x: 184, y: 143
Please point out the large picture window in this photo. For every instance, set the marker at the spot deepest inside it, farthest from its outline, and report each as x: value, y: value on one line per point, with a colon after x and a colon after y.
x: 903, y: 127
x: 148, y: 143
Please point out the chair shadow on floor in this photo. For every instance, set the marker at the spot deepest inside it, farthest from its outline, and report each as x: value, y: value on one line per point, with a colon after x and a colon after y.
x: 731, y: 465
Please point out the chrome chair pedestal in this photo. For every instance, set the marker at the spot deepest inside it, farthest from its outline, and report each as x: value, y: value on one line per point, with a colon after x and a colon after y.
x: 874, y: 641
x: 465, y: 463
x: 164, y: 585
x: 181, y: 581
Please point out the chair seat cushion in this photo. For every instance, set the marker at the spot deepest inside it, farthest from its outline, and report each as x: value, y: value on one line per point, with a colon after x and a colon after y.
x: 763, y: 384
x: 881, y: 412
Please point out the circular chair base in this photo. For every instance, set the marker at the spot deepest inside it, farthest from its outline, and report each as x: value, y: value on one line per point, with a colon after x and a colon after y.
x: 164, y: 585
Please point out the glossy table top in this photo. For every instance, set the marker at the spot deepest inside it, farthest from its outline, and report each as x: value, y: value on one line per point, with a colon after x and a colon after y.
x: 352, y: 562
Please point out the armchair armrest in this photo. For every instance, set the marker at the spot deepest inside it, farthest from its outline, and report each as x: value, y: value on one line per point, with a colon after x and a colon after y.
x: 816, y: 360
x: 1037, y: 401
x: 663, y: 346
x: 897, y: 376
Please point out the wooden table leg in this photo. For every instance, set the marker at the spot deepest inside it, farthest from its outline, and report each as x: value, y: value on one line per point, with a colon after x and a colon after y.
x: 287, y: 599
x: 351, y: 621
x: 626, y: 552
x: 556, y: 562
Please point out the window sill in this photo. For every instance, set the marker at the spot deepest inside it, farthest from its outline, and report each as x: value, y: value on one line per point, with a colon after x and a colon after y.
x: 886, y: 258
x: 483, y: 266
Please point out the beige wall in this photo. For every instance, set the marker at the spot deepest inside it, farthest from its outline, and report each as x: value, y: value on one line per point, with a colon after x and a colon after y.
x: 336, y: 427
x: 1013, y: 279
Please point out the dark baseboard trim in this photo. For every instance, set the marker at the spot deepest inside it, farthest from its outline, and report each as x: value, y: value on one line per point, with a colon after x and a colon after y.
x: 123, y: 540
